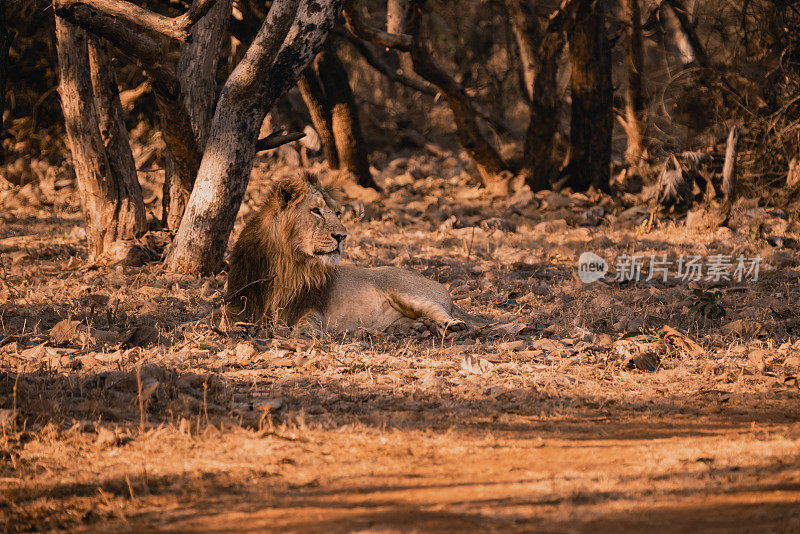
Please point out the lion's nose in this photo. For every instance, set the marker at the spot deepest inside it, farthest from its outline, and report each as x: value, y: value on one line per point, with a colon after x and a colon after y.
x: 339, y: 237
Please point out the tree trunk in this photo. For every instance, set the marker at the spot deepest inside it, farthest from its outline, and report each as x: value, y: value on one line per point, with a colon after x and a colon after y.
x: 540, y: 159
x: 320, y: 110
x: 483, y: 154
x: 197, y: 72
x: 635, y: 119
x: 539, y: 50
x: 396, y: 16
x: 130, y: 214
x: 592, y: 93
x: 6, y: 37
x: 97, y: 184
x: 528, y: 34
x: 345, y: 124
x: 176, y: 126
x: 287, y: 42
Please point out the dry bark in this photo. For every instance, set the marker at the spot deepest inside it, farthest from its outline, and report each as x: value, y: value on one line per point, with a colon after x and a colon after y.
x: 528, y: 35
x: 290, y: 37
x: 346, y: 127
x: 635, y: 120
x: 98, y: 188
x: 592, y: 97
x: 197, y: 72
x: 130, y: 216
x: 396, y: 14
x: 197, y: 67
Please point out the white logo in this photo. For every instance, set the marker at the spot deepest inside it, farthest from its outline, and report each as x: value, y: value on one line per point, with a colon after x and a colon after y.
x: 591, y: 267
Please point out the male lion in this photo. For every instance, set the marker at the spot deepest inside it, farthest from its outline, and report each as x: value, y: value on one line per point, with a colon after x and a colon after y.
x: 285, y: 267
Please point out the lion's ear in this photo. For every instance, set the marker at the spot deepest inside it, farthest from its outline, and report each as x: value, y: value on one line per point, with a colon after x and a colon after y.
x: 309, y: 179
x: 285, y: 192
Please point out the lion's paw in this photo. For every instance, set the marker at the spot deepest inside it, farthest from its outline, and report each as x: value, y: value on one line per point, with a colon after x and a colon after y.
x: 456, y: 325
x: 421, y: 326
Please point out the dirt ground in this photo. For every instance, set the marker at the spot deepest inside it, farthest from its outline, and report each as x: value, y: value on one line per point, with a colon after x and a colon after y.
x: 604, y: 407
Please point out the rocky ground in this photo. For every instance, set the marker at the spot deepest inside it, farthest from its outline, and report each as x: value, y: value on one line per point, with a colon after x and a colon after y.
x: 619, y: 405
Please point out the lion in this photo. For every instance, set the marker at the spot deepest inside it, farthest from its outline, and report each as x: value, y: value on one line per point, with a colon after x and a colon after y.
x: 285, y: 268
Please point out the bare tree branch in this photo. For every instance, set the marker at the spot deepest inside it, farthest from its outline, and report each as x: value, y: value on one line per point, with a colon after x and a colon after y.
x: 318, y: 107
x: 374, y: 59
x: 396, y: 16
x: 174, y: 28
x: 197, y: 72
x: 635, y: 123
x: 540, y: 45
x: 361, y: 29
x: 729, y: 167
x: 276, y: 139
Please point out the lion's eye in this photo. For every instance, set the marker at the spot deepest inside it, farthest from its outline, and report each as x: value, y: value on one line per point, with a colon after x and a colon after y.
x: 316, y: 211
x: 339, y: 213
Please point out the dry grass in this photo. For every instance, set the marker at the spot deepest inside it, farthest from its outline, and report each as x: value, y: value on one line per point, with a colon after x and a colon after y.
x: 138, y: 415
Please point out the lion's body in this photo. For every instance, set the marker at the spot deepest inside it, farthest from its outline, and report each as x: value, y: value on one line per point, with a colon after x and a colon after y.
x: 382, y: 298
x: 284, y: 268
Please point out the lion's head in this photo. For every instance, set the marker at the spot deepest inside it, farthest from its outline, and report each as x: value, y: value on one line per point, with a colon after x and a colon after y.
x: 286, y: 254
x: 309, y: 219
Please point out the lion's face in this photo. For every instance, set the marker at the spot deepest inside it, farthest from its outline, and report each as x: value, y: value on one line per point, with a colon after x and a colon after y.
x: 318, y: 230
